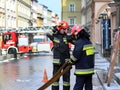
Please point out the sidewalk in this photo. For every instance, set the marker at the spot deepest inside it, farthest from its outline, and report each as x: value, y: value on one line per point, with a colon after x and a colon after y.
x: 8, y: 57
x: 101, y: 69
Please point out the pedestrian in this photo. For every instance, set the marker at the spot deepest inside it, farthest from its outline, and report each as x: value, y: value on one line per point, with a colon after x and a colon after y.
x: 83, y: 59
x: 61, y: 52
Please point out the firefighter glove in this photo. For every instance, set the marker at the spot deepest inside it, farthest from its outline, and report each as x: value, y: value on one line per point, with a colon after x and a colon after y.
x: 53, y: 30
x: 70, y: 62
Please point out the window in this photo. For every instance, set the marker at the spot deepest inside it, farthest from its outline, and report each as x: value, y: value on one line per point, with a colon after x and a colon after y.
x: 7, y: 37
x: 72, y: 7
x: 72, y: 21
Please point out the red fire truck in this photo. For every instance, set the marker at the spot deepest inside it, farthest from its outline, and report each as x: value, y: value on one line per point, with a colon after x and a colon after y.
x: 25, y: 40
x: 13, y: 43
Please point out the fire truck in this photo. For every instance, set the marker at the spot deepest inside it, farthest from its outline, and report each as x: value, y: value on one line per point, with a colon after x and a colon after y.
x: 14, y: 43
x: 26, y: 40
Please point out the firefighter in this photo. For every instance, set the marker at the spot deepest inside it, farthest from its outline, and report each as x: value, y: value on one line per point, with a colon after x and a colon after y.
x: 83, y: 59
x: 61, y: 52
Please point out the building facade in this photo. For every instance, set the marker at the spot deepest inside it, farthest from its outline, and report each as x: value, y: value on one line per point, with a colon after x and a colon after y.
x: 40, y: 15
x: 86, y: 16
x: 49, y: 17
x: 100, y: 17
x: 24, y: 13
x: 115, y: 23
x: 102, y: 33
x: 8, y: 14
x: 71, y: 11
x: 2, y: 13
x: 34, y: 12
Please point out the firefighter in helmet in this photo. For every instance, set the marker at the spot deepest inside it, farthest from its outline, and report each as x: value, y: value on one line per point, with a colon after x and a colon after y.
x: 83, y: 59
x: 61, y: 52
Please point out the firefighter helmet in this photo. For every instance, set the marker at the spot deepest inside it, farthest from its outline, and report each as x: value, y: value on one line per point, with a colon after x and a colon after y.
x: 62, y: 25
x: 76, y: 29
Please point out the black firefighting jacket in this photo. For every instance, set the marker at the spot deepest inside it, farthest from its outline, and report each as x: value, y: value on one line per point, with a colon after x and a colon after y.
x: 83, y: 56
x: 61, y: 50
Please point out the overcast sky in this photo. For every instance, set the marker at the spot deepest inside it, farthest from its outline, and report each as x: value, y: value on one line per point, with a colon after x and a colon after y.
x: 53, y: 5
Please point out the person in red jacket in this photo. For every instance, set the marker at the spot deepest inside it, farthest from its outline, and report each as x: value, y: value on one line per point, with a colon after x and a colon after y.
x: 83, y: 59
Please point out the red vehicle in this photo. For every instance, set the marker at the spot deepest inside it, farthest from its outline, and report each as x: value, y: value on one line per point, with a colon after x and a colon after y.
x: 13, y: 43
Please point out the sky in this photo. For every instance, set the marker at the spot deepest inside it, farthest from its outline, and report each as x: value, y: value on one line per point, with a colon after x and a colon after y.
x: 53, y: 5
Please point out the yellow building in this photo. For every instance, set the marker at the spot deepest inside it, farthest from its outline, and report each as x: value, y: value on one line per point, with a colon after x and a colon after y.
x: 2, y: 14
x: 49, y: 17
x: 39, y: 15
x: 23, y: 13
x: 71, y: 11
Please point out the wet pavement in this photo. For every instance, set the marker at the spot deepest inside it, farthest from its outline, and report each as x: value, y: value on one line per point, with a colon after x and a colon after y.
x: 24, y: 74
x: 27, y: 73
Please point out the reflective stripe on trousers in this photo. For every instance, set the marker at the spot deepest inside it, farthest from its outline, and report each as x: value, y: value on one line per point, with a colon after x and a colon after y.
x: 84, y: 71
x: 55, y: 84
x: 56, y: 61
x: 66, y: 83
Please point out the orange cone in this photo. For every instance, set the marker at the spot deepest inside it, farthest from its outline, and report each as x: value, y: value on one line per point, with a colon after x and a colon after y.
x: 45, y: 78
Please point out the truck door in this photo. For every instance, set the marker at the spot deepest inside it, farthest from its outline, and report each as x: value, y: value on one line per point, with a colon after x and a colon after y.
x: 6, y: 37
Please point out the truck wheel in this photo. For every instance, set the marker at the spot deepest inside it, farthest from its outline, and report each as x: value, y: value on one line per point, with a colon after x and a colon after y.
x: 15, y: 54
x: 13, y: 51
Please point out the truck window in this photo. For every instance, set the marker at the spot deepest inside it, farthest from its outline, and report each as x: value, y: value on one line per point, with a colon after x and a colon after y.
x: 38, y: 40
x: 7, y: 37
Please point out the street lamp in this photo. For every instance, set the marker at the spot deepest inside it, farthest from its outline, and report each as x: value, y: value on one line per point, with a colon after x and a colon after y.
x: 104, y: 15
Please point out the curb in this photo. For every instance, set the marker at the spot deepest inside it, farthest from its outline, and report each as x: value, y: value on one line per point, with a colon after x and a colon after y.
x: 4, y: 57
x: 9, y: 56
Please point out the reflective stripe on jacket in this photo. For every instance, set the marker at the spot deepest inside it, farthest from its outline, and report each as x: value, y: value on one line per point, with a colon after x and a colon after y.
x: 57, y: 61
x: 61, y: 50
x: 89, y: 49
